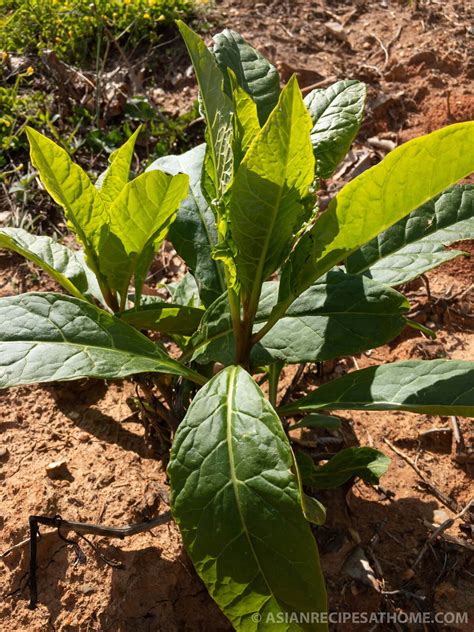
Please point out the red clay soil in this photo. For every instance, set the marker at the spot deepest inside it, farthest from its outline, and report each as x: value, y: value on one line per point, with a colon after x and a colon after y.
x: 415, y: 58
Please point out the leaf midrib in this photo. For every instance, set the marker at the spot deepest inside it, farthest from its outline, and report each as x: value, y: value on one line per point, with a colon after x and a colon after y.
x: 233, y: 475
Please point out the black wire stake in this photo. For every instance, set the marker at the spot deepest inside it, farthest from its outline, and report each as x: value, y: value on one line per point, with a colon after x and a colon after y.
x: 80, y: 528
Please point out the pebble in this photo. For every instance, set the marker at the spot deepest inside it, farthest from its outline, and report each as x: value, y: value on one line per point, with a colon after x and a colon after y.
x: 358, y: 567
x: 87, y: 589
x: 3, y: 453
x: 57, y: 469
x: 336, y: 30
x: 440, y: 516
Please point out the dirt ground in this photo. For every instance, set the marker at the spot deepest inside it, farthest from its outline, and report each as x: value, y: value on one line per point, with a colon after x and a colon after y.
x: 415, y: 60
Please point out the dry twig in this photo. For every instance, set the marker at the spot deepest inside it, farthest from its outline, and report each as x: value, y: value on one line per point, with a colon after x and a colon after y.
x: 445, y: 500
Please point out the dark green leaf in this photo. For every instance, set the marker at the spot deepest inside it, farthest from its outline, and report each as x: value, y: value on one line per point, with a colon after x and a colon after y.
x: 193, y: 233
x: 430, y: 387
x: 50, y: 337
x: 216, y: 107
x: 337, y: 113
x: 168, y: 318
x: 416, y: 243
x: 185, y: 291
x: 237, y: 502
x: 339, y: 315
x: 324, y: 422
x: 366, y: 463
x: 257, y: 76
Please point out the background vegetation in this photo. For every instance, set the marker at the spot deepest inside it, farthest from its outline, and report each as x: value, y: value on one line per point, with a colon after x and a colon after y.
x: 82, y: 73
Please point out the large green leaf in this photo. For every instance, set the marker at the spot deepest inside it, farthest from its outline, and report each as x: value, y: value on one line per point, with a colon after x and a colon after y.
x: 71, y: 188
x: 366, y: 463
x: 193, y: 233
x: 339, y: 315
x: 112, y: 181
x: 168, y: 318
x: 139, y: 220
x: 407, y: 177
x: 431, y: 387
x: 415, y: 244
x: 236, y: 501
x: 257, y: 76
x: 57, y: 260
x: 337, y: 113
x: 266, y: 196
x: 216, y: 107
x: 49, y: 337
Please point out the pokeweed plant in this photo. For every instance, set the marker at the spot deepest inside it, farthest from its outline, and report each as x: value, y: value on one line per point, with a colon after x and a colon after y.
x: 272, y: 280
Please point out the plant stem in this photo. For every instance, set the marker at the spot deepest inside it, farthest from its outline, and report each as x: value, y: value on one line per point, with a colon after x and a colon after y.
x: 244, y: 342
x: 109, y: 297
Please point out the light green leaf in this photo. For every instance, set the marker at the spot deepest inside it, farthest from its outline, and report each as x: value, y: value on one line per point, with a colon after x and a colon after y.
x: 339, y: 315
x: 323, y: 422
x: 193, y: 233
x: 366, y: 463
x: 50, y: 337
x: 236, y: 501
x: 337, y: 114
x: 255, y: 74
x: 139, y: 219
x: 70, y: 187
x: 430, y: 387
x: 168, y: 318
x: 112, y: 181
x: 216, y: 107
x: 407, y: 177
x: 415, y: 244
x: 266, y: 206
x: 61, y: 263
x: 245, y: 121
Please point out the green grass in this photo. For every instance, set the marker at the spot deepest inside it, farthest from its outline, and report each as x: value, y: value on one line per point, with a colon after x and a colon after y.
x: 74, y: 29
x: 94, y: 38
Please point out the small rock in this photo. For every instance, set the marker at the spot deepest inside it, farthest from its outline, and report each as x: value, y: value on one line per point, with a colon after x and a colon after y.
x: 336, y: 30
x: 87, y: 589
x: 105, y: 480
x: 58, y: 470
x: 83, y: 437
x: 440, y: 516
x: 358, y: 567
x: 3, y: 453
x: 74, y: 415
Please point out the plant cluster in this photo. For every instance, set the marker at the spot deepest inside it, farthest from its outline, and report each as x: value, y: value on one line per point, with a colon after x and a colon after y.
x: 272, y: 281
x: 73, y: 27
